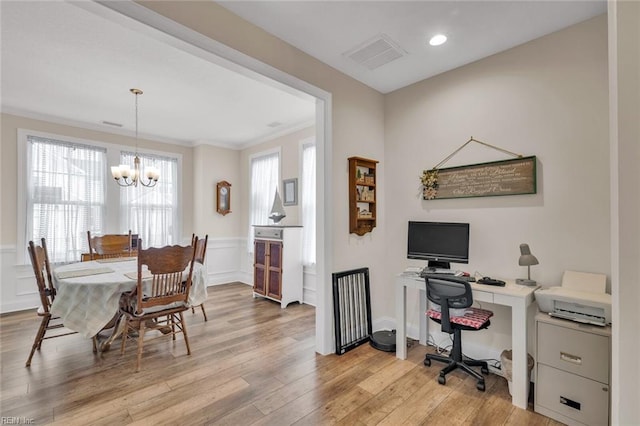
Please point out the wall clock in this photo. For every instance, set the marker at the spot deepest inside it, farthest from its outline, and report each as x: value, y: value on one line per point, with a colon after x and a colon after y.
x: 223, y: 197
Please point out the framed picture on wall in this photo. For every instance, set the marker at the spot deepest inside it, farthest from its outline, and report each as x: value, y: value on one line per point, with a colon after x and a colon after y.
x: 290, y: 192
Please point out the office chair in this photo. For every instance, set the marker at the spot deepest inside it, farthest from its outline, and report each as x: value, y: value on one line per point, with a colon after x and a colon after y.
x: 452, y: 293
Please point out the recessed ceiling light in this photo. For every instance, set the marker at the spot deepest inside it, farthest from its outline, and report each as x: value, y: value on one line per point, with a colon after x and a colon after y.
x: 438, y: 39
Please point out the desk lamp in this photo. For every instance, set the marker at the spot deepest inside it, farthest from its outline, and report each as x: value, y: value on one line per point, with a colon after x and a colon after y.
x: 526, y: 259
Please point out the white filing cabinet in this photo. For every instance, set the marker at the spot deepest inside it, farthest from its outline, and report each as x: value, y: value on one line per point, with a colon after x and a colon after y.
x: 573, y: 371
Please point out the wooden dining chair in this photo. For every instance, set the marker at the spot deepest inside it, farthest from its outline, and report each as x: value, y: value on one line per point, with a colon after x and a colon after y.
x: 201, y: 250
x: 109, y: 246
x: 161, y: 295
x: 42, y: 271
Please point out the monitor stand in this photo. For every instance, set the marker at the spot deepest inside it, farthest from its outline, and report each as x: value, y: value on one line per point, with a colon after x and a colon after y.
x: 435, y: 265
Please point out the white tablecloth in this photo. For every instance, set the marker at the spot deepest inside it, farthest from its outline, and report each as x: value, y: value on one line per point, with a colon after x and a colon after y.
x: 86, y: 304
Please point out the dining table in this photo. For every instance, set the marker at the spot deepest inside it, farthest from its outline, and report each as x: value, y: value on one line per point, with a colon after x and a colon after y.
x: 88, y: 293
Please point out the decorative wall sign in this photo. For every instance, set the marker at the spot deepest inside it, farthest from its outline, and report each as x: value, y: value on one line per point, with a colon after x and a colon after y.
x: 508, y: 177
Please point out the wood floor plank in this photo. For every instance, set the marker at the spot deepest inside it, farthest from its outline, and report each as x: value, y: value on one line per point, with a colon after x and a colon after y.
x: 252, y: 363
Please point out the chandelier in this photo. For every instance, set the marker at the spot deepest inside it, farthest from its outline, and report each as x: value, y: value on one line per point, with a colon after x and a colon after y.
x: 124, y: 175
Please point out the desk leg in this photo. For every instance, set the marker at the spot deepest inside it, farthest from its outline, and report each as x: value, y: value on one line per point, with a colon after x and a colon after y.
x: 520, y: 385
x: 401, y: 321
x: 424, y: 329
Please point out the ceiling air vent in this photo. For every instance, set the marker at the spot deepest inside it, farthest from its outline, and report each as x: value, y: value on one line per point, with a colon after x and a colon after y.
x: 376, y: 52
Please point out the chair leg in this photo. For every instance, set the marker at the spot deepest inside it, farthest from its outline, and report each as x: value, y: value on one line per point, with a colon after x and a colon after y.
x: 173, y: 326
x: 125, y: 335
x: 45, y: 326
x: 94, y: 339
x: 204, y: 313
x: 141, y: 331
x: 37, y: 341
x: 455, y: 360
x: 471, y: 371
x: 184, y: 332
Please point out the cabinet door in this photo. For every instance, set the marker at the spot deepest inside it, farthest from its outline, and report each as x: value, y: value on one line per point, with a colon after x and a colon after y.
x: 259, y: 266
x: 274, y: 281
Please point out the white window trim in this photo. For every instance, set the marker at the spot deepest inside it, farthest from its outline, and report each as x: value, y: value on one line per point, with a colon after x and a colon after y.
x: 311, y: 140
x: 113, y: 204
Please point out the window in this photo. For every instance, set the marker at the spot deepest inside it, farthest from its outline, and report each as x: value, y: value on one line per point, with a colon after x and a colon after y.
x: 65, y: 195
x: 264, y: 177
x: 152, y: 212
x: 65, y: 190
x: 308, y: 198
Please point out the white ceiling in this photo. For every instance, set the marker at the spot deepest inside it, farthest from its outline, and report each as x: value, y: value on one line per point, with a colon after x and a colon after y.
x: 475, y: 29
x: 64, y: 63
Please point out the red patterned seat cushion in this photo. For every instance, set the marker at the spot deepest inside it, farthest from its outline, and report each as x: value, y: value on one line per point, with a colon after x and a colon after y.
x: 473, y: 317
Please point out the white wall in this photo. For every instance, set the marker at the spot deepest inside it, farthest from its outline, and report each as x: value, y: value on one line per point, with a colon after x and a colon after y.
x: 624, y: 78
x: 546, y: 98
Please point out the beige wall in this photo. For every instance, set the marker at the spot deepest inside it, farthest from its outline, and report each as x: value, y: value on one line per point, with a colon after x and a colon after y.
x: 289, y: 168
x: 210, y: 166
x: 9, y: 149
x: 546, y: 98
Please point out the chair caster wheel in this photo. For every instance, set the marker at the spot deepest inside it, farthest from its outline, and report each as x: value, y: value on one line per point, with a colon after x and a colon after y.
x: 484, y: 370
x: 442, y: 380
x: 427, y: 362
x: 480, y: 386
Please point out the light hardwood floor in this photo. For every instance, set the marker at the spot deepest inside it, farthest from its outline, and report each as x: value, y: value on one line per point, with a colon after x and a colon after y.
x: 252, y: 363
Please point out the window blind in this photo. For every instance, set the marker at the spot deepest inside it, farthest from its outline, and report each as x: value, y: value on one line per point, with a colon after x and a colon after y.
x: 66, y: 185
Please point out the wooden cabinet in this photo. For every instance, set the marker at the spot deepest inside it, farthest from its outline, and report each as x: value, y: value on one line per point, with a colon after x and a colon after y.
x: 573, y: 369
x: 362, y: 195
x: 277, y: 266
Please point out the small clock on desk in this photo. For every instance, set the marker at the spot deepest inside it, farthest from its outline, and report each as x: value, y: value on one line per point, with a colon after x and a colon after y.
x: 223, y: 197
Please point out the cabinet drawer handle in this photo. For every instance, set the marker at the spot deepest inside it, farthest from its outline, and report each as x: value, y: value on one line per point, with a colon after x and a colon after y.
x: 574, y: 359
x: 569, y: 403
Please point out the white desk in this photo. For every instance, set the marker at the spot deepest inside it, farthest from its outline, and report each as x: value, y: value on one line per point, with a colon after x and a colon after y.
x: 516, y: 296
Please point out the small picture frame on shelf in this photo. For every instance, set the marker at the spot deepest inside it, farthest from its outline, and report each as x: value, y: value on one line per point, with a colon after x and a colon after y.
x: 368, y: 179
x: 290, y: 192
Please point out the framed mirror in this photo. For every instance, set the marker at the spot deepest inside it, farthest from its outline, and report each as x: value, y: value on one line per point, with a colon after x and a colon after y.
x: 223, y: 197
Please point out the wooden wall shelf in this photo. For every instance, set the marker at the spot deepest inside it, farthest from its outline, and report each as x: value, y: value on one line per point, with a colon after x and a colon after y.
x: 362, y: 195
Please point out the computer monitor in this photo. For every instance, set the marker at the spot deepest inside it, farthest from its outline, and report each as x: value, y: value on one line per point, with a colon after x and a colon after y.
x: 440, y: 243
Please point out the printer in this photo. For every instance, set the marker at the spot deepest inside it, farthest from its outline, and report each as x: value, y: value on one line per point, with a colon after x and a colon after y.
x: 581, y: 298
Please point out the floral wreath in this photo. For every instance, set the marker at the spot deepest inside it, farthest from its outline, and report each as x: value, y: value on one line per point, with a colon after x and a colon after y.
x: 429, y: 181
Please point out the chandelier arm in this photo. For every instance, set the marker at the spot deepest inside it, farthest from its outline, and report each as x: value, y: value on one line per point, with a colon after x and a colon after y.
x: 136, y: 176
x: 150, y: 184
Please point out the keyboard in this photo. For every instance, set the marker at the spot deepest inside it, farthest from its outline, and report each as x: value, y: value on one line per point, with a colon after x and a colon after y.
x: 439, y: 275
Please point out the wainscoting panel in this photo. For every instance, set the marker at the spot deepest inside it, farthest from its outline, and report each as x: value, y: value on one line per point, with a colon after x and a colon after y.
x: 18, y: 289
x: 226, y: 261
